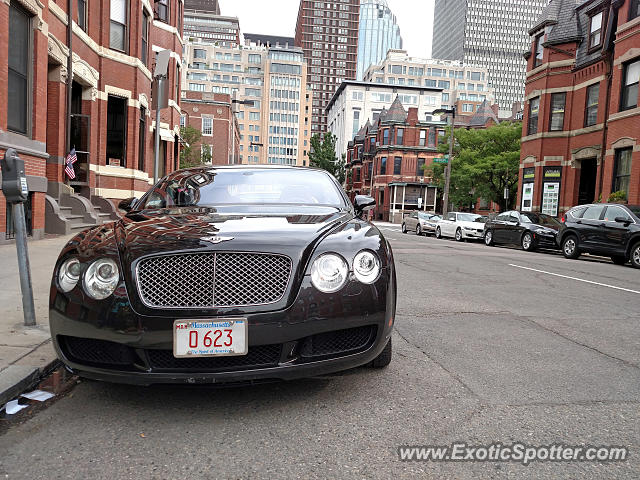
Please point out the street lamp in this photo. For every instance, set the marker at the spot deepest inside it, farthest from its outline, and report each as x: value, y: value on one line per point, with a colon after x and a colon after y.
x: 447, y: 170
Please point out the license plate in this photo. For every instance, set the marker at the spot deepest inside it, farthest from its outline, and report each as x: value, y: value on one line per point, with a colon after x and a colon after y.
x: 208, y: 338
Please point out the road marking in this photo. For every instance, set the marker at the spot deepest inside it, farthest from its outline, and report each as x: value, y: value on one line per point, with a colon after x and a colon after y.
x: 577, y: 279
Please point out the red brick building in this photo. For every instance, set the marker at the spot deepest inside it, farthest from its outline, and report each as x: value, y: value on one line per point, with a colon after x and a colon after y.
x: 386, y: 160
x: 211, y: 113
x: 581, y: 132
x: 84, y: 80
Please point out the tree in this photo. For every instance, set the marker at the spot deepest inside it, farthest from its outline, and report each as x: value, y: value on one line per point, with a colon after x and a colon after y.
x: 323, y: 155
x: 485, y: 162
x: 190, y: 155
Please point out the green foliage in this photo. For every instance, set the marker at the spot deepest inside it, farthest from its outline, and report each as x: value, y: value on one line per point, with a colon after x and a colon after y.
x: 323, y: 155
x: 190, y: 153
x: 485, y: 162
x: 618, y: 197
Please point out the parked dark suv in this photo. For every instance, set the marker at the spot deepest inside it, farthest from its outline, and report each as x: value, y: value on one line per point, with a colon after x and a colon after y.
x: 604, y: 229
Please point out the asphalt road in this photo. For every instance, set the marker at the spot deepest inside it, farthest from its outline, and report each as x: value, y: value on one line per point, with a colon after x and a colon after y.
x: 485, y: 351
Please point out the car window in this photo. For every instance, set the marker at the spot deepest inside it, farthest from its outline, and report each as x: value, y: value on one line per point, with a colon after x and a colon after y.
x: 577, y: 212
x: 503, y: 217
x: 468, y: 217
x: 514, y: 217
x: 435, y: 218
x: 635, y: 209
x: 452, y: 217
x: 414, y: 215
x: 593, y: 213
x: 614, y: 212
x: 424, y: 216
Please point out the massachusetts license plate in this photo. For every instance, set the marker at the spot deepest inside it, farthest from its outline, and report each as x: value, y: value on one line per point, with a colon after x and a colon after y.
x: 207, y: 338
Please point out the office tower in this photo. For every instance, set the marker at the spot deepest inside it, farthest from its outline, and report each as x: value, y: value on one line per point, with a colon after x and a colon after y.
x: 377, y: 34
x: 327, y: 32
x: 211, y: 6
x: 491, y: 34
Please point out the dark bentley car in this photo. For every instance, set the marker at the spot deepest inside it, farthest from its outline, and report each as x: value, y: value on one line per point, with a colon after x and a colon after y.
x: 527, y: 229
x: 221, y: 274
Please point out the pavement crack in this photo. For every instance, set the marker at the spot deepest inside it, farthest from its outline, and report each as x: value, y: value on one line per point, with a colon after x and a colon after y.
x: 445, y: 314
x: 576, y: 342
x: 451, y: 373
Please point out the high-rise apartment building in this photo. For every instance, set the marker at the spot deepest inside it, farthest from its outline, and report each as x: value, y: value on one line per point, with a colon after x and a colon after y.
x: 327, y: 32
x: 378, y: 33
x: 464, y: 86
x: 211, y: 6
x: 270, y: 86
x: 491, y: 34
x: 208, y: 27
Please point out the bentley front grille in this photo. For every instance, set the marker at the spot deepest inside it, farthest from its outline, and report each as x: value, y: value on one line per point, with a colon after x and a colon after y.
x: 211, y: 280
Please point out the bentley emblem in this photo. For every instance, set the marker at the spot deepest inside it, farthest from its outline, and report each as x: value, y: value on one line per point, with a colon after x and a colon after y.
x: 215, y: 239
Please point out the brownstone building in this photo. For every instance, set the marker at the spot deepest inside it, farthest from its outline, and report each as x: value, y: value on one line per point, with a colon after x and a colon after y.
x: 211, y: 113
x: 581, y: 133
x: 387, y: 160
x: 83, y: 81
x: 327, y: 31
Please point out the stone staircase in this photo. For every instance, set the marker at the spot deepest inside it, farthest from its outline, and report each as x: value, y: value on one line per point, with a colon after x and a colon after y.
x: 71, y: 213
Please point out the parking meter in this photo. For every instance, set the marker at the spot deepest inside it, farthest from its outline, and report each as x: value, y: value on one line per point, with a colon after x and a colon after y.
x: 14, y: 181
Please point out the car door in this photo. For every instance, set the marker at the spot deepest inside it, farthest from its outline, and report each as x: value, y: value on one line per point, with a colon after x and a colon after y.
x: 451, y: 224
x: 499, y: 227
x: 615, y: 234
x: 411, y: 221
x: 589, y: 229
x: 514, y: 228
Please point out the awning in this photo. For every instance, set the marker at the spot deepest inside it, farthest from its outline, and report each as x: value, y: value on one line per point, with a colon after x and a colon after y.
x: 166, y: 135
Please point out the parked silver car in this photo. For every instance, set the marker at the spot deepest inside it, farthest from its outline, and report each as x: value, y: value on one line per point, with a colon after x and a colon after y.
x: 420, y: 222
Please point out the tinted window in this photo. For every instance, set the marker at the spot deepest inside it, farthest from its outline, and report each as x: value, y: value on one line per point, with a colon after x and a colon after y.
x: 634, y: 209
x: 614, y: 212
x: 577, y: 212
x: 503, y: 217
x: 260, y: 186
x: 514, y: 217
x: 539, y: 219
x: 593, y: 213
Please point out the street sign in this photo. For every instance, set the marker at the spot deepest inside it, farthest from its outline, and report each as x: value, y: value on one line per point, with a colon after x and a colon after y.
x: 440, y: 160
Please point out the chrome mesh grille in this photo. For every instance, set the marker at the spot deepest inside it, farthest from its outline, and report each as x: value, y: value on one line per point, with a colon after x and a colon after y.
x: 206, y: 280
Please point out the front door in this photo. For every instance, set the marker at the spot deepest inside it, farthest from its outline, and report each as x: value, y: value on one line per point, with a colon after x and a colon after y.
x: 616, y: 234
x: 590, y: 228
x: 588, y: 173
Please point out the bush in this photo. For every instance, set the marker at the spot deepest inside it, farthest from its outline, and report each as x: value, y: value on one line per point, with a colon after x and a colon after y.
x: 618, y: 197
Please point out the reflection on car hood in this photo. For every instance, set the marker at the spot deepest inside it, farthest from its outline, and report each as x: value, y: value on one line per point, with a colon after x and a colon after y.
x: 240, y: 228
x: 479, y: 225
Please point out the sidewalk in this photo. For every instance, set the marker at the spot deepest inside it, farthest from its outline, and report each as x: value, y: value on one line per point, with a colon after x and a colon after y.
x: 25, y: 352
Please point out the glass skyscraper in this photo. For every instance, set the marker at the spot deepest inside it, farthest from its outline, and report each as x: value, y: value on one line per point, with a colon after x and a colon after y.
x: 378, y: 32
x: 491, y: 34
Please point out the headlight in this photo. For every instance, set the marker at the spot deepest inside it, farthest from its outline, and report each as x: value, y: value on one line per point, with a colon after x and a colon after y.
x: 366, y: 266
x: 329, y: 272
x: 69, y: 274
x: 469, y: 229
x: 101, y: 278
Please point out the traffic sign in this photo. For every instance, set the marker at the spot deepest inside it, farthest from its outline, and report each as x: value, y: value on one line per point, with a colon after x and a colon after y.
x: 440, y: 160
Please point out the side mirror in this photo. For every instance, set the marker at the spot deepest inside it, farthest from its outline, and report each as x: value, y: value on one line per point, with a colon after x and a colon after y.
x: 362, y: 203
x: 624, y: 220
x: 128, y: 204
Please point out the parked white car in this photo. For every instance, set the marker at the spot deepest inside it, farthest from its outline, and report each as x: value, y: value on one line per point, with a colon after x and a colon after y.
x: 461, y: 226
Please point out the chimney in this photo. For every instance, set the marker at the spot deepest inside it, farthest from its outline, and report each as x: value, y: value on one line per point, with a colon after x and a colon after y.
x: 496, y: 109
x: 412, y: 116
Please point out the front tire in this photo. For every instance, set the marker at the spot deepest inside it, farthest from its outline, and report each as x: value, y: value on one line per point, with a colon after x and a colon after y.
x: 384, y: 358
x: 635, y: 255
x: 527, y: 242
x: 419, y: 230
x: 438, y: 233
x: 458, y: 235
x: 570, y: 247
x: 488, y: 238
x: 404, y: 228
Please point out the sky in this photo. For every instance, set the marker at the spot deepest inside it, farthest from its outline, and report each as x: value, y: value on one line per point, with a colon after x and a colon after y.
x: 278, y: 17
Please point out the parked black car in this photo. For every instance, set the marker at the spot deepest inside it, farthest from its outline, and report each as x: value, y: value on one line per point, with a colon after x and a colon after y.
x: 527, y: 229
x: 611, y: 230
x: 223, y: 274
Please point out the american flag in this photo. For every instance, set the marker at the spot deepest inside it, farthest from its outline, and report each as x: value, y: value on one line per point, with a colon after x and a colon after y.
x: 69, y: 161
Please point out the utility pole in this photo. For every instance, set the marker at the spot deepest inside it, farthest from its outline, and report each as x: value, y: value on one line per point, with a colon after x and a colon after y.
x: 160, y: 100
x: 447, y: 170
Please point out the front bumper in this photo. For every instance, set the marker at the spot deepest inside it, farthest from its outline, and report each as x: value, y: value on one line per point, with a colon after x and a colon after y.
x: 473, y: 234
x: 545, y: 240
x: 317, y: 334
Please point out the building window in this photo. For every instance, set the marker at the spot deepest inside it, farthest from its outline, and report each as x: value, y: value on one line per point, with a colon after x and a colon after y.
x: 82, y: 14
x: 622, y: 170
x: 432, y: 137
x: 145, y: 38
x: 539, y: 50
x: 558, y: 101
x: 591, y: 107
x: 117, y: 130
x: 19, y: 70
x: 207, y: 126
x: 630, y: 79
x: 634, y: 9
x: 199, y: 53
x: 467, y: 107
x: 162, y: 10
x: 400, y: 136
x: 383, y: 166
x: 356, y: 121
x: 397, y: 165
x: 595, y: 31
x: 534, y: 110
x: 385, y: 136
x: 420, y: 169
x: 423, y: 138
x: 183, y: 121
x: 142, y: 138
x: 118, y: 32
